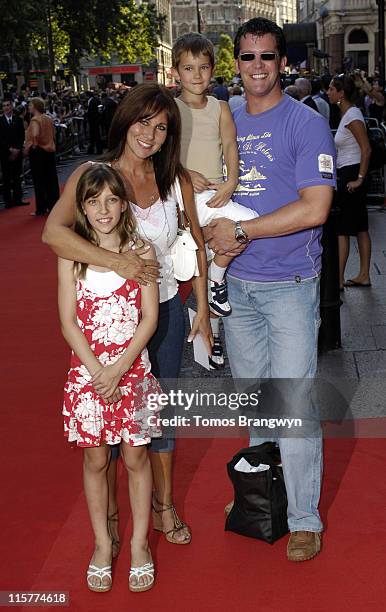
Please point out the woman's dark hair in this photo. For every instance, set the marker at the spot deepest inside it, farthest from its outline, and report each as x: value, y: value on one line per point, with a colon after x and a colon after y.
x: 91, y: 184
x: 347, y: 85
x: 259, y: 26
x: 144, y: 102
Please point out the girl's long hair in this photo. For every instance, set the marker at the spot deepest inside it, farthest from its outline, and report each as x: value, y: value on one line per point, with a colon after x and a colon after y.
x: 90, y: 184
x: 144, y: 102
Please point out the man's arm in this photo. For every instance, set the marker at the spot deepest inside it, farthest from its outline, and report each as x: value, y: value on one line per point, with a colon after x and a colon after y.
x: 59, y: 235
x: 310, y: 210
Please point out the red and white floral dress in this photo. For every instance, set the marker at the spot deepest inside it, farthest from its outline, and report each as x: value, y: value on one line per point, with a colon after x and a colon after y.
x: 108, y: 312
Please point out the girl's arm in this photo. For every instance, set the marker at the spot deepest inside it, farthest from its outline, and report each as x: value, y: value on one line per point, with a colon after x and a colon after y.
x: 201, y: 322
x: 59, y: 235
x: 231, y: 158
x: 69, y: 324
x: 358, y: 130
x: 106, y: 380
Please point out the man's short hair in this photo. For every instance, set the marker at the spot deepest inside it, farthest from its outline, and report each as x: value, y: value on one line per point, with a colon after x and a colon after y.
x: 304, y: 86
x: 193, y: 43
x: 259, y: 26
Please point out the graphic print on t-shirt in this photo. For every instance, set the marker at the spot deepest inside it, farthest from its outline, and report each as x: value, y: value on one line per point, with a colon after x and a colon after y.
x: 251, y: 177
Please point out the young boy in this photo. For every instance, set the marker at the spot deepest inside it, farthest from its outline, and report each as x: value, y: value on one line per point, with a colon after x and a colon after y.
x: 208, y: 137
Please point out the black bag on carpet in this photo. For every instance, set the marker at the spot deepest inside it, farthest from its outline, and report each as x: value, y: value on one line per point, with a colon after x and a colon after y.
x: 260, y: 498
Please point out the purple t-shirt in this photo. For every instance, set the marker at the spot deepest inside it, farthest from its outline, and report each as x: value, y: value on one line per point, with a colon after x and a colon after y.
x: 281, y: 150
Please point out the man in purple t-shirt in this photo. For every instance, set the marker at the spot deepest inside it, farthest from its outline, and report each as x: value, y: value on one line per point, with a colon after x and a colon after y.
x: 287, y: 169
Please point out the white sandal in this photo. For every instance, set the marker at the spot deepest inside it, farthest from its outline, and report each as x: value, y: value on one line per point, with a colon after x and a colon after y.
x: 99, y: 572
x: 139, y: 572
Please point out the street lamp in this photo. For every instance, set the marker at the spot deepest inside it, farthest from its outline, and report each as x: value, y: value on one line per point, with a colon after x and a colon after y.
x: 381, y: 38
x: 323, y: 13
x: 198, y: 17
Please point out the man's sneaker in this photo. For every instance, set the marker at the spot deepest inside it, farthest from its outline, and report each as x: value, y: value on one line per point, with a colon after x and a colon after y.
x: 216, y: 361
x: 218, y: 298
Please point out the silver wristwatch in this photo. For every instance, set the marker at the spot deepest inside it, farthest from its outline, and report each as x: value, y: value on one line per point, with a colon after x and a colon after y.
x: 240, y: 235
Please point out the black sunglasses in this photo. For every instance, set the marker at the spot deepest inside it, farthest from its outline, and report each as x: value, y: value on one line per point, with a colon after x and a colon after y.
x: 266, y: 56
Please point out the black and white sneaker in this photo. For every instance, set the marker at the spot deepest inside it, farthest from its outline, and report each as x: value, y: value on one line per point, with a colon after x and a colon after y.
x: 216, y: 361
x: 218, y: 298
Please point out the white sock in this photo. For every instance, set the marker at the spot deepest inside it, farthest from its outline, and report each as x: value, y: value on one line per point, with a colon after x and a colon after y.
x: 215, y: 325
x: 216, y: 273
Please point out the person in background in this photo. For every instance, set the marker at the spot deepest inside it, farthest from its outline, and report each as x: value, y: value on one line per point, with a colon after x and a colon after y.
x: 292, y: 90
x: 375, y: 95
x: 220, y: 91
x: 237, y: 98
x: 353, y: 158
x: 94, y: 124
x: 334, y: 108
x: 11, y: 156
x: 40, y: 146
x: 323, y: 106
x: 304, y: 88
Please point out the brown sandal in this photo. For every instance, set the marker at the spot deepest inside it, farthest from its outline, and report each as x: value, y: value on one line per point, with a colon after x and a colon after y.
x: 113, y: 518
x: 178, y: 524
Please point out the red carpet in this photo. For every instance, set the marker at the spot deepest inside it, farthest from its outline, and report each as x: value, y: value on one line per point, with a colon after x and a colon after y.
x: 46, y: 539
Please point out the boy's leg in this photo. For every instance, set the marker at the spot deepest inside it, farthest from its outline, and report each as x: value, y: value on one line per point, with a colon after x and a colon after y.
x: 95, y: 463
x: 137, y: 463
x: 217, y: 287
x: 216, y: 360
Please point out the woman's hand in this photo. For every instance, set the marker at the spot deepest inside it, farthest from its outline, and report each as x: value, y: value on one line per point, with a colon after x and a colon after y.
x: 200, y: 183
x: 201, y: 325
x: 224, y: 193
x: 105, y: 382
x: 134, y: 267
x: 353, y: 185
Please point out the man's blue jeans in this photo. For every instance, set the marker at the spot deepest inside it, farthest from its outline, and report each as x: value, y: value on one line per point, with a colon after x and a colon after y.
x: 272, y: 333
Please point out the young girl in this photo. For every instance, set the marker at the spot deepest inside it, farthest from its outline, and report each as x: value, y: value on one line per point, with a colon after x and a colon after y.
x: 107, y: 321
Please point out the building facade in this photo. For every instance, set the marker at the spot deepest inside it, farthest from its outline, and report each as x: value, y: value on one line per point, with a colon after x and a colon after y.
x: 220, y: 16
x: 347, y: 30
x: 164, y: 50
x: 285, y: 12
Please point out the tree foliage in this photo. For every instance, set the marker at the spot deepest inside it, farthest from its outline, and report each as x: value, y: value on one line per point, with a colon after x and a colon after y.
x: 225, y: 65
x: 79, y: 28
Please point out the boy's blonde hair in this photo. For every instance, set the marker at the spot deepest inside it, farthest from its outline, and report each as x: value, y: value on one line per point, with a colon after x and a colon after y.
x: 195, y: 44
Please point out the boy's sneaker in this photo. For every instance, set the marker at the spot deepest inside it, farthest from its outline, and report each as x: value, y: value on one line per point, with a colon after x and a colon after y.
x: 218, y: 298
x: 216, y: 361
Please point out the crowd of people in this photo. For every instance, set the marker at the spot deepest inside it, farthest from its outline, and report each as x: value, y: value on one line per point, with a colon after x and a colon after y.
x: 113, y: 229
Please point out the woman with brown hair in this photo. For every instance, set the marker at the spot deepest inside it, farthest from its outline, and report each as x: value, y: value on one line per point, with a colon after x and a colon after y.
x: 40, y: 146
x: 353, y: 149
x: 144, y: 145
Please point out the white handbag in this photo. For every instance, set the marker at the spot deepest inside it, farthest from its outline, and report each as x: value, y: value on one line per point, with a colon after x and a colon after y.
x: 183, y: 249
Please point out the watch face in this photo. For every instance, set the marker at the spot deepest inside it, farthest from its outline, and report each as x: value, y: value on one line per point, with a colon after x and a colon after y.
x: 241, y: 237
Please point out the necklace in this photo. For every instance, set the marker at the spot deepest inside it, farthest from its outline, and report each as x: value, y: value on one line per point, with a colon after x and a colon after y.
x: 153, y: 198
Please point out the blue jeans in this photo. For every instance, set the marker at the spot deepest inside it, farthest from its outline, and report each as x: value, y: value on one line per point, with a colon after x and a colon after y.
x: 165, y: 353
x: 272, y: 333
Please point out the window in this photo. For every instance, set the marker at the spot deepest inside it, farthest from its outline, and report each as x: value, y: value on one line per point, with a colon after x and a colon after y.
x: 358, y: 37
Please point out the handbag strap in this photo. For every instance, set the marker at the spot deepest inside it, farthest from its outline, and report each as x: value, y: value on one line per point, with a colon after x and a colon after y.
x: 183, y: 219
